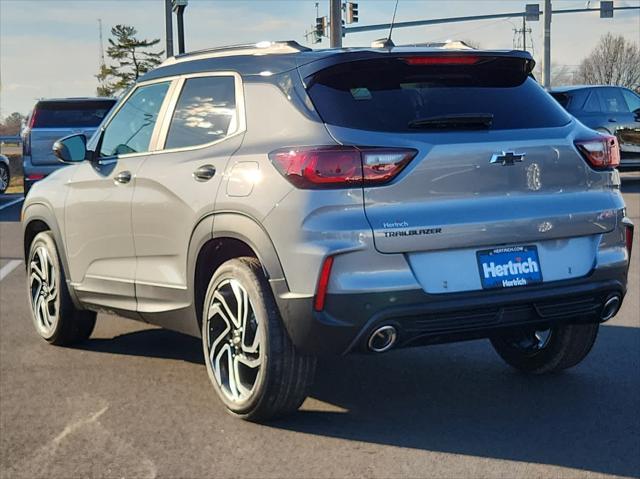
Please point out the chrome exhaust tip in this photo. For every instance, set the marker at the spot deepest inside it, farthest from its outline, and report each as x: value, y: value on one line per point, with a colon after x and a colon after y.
x: 382, y: 339
x: 611, y: 307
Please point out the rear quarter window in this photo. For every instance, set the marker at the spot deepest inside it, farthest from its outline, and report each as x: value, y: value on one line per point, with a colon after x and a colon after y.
x: 386, y: 95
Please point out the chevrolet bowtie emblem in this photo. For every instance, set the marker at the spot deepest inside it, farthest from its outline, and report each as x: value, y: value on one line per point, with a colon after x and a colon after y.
x: 507, y: 158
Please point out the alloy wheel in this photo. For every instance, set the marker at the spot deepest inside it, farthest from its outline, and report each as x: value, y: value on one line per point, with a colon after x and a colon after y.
x: 4, y: 179
x: 234, y: 340
x: 44, y: 291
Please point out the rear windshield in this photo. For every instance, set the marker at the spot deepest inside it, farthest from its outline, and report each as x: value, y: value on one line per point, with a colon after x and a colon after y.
x: 70, y: 114
x: 390, y: 94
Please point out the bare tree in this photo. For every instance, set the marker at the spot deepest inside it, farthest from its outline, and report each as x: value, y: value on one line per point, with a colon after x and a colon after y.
x: 614, y: 61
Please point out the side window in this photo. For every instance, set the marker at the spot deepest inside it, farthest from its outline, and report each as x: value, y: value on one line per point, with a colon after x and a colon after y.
x: 592, y: 104
x: 612, y: 100
x: 205, y: 112
x: 130, y: 130
x: 633, y: 100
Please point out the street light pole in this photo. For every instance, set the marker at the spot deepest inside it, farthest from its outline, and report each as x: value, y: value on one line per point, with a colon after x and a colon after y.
x: 335, y: 23
x: 168, y: 28
x: 546, y: 61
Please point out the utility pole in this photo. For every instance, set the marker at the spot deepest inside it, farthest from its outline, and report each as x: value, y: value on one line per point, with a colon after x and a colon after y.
x: 546, y: 59
x: 168, y: 20
x: 335, y: 23
x: 101, y: 53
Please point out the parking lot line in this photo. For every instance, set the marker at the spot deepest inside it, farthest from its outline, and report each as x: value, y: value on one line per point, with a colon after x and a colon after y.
x: 9, y: 267
x: 11, y: 203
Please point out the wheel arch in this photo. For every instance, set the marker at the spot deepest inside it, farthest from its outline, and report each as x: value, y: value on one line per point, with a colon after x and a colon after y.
x: 224, y: 236
x: 36, y: 218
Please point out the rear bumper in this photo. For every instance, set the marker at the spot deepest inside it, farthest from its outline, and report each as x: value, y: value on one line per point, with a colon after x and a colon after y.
x: 629, y: 161
x: 420, y: 318
x: 34, y: 173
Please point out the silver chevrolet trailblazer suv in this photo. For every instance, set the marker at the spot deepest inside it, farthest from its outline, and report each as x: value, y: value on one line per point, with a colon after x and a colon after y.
x: 283, y: 203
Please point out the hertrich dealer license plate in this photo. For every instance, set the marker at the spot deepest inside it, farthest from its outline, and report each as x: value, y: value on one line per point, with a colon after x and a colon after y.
x: 509, y: 266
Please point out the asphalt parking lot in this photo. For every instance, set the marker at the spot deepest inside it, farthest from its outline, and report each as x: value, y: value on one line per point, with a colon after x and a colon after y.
x: 134, y: 401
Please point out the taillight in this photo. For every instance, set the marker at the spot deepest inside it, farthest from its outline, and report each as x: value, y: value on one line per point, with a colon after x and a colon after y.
x: 601, y: 152
x: 325, y: 167
x: 26, y: 143
x: 628, y: 237
x: 323, y: 284
x: 442, y: 60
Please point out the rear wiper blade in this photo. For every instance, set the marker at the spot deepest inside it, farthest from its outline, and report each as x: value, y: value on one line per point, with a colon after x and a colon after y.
x: 466, y: 120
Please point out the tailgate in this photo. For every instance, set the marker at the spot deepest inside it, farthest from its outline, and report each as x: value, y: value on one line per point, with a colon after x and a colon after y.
x: 42, y: 140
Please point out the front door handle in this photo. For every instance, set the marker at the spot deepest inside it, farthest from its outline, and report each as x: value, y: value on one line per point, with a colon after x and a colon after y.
x: 204, y: 173
x: 612, y: 120
x: 123, y: 177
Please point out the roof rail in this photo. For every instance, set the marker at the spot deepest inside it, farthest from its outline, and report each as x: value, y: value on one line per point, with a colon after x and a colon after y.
x: 260, y: 48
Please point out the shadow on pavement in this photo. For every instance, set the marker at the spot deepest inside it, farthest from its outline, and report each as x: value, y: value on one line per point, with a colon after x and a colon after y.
x: 157, y: 343
x: 462, y: 399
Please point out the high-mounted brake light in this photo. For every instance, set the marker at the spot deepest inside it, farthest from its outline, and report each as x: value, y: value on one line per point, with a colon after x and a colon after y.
x: 325, y: 167
x: 443, y: 60
x: 601, y: 152
x: 323, y: 284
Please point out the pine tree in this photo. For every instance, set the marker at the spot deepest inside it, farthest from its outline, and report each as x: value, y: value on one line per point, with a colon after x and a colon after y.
x: 132, y: 58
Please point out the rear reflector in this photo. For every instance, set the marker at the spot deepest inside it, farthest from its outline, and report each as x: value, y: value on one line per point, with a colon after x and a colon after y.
x: 601, y: 151
x: 325, y: 167
x: 628, y: 238
x: 443, y: 60
x: 35, y: 177
x: 323, y: 284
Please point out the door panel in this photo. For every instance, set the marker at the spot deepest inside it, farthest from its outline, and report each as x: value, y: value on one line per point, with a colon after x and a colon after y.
x: 99, y: 235
x: 176, y: 188
x: 168, y: 203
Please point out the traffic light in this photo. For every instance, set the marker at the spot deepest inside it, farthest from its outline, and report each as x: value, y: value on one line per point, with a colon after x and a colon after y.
x: 352, y: 12
x: 606, y: 9
x: 321, y: 26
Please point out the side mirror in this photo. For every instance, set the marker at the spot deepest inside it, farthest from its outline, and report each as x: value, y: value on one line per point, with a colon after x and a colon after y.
x: 71, y: 149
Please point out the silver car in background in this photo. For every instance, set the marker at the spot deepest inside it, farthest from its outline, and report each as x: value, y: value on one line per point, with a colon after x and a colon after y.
x: 282, y: 203
x: 52, y: 119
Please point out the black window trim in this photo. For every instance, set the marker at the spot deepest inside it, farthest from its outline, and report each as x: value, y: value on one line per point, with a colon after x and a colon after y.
x: 156, y: 129
x: 241, y: 125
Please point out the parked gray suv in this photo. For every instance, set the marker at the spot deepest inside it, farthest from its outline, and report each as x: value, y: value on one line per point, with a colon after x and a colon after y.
x: 51, y: 119
x: 283, y: 203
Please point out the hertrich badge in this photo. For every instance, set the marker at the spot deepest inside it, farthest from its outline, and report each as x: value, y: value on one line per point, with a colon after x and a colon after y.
x: 507, y: 158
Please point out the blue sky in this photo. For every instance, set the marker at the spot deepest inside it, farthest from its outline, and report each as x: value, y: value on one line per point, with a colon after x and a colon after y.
x: 50, y: 47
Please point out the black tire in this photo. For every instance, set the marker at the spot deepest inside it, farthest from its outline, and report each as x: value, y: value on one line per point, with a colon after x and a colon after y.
x: 5, y: 178
x: 564, y: 348
x: 70, y: 325
x: 284, y: 374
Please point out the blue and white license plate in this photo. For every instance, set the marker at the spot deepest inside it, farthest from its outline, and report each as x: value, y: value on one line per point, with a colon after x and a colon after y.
x: 509, y: 266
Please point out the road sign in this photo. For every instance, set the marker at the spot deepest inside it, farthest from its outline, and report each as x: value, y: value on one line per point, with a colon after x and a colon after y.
x: 532, y: 12
x: 606, y: 9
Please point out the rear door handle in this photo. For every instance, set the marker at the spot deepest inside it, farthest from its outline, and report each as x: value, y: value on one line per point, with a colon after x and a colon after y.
x: 612, y: 120
x: 204, y: 173
x: 123, y: 177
